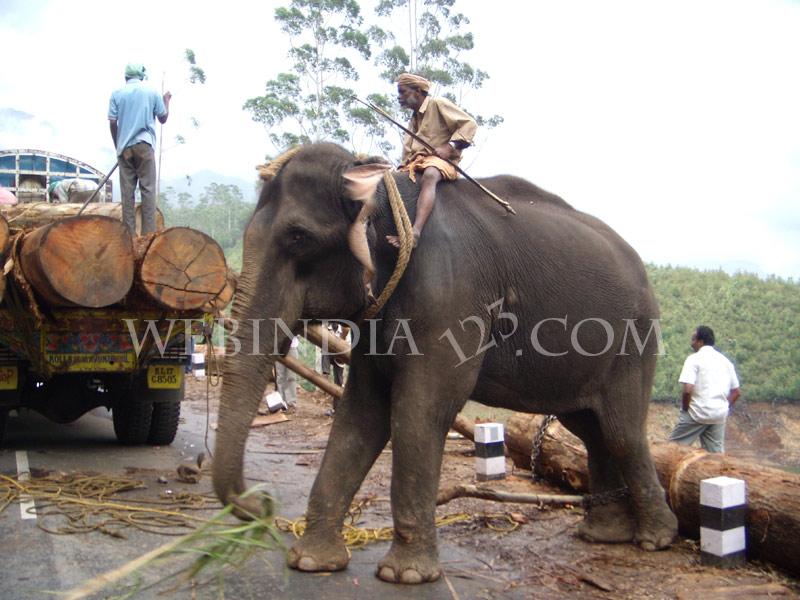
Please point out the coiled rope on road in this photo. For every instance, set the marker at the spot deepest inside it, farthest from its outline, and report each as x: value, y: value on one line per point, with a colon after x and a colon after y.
x: 89, y: 503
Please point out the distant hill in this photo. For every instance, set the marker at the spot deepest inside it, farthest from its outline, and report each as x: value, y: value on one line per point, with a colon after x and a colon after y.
x: 196, y: 183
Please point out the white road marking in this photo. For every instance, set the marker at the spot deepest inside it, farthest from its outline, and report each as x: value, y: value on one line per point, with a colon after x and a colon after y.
x: 24, y: 474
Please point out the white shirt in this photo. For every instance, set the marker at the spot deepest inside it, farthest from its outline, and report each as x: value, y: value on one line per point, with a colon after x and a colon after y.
x: 713, y: 377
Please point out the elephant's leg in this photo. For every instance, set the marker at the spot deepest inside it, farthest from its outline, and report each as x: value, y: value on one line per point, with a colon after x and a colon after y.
x: 622, y: 421
x: 360, y: 431
x: 424, y: 405
x: 608, y: 520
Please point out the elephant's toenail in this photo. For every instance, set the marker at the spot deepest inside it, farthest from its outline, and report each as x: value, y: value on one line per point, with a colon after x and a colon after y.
x: 307, y: 564
x: 411, y: 576
x: 386, y: 573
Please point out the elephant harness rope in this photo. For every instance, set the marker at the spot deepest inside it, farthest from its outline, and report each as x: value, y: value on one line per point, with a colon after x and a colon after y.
x: 399, y: 213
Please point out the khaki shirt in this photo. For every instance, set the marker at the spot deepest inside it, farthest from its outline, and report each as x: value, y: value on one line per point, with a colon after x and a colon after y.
x: 438, y: 121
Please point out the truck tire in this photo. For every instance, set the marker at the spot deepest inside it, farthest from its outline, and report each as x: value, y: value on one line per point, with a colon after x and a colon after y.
x: 164, y: 422
x: 3, y: 420
x: 166, y: 414
x: 132, y: 419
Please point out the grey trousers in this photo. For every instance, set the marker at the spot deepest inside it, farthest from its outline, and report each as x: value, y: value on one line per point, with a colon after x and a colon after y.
x: 137, y: 164
x: 687, y: 430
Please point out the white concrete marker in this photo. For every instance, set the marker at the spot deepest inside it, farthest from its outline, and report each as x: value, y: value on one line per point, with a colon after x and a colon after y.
x: 24, y: 474
x: 199, y: 364
x: 723, y: 510
x: 490, y: 460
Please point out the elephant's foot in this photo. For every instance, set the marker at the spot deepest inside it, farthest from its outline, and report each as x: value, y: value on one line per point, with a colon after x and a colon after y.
x: 611, y: 523
x: 658, y: 528
x: 318, y: 554
x: 406, y: 565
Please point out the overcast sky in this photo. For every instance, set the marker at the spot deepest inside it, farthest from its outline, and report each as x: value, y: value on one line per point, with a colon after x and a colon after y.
x: 676, y: 122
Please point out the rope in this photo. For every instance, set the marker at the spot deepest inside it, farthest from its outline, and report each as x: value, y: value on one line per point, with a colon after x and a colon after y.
x: 406, y: 235
x: 269, y: 170
x: 404, y: 230
x: 87, y: 504
x: 680, y: 469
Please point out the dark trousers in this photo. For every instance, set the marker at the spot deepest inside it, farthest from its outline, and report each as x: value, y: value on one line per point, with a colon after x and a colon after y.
x: 137, y: 164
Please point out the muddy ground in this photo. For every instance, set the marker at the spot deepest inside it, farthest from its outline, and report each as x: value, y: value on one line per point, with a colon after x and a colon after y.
x: 533, y: 552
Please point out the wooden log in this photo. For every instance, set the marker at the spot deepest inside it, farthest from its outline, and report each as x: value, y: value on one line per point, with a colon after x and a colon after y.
x: 225, y: 297
x: 5, y: 238
x: 79, y: 261
x: 472, y: 491
x: 319, y: 336
x: 35, y: 214
x: 773, y: 495
x: 322, y: 382
x: 182, y: 269
x: 464, y: 426
x: 773, y: 499
x: 5, y: 243
x: 562, y: 459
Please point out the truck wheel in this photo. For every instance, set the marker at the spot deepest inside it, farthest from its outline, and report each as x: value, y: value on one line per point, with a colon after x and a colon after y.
x: 3, y: 419
x: 132, y: 420
x: 164, y: 423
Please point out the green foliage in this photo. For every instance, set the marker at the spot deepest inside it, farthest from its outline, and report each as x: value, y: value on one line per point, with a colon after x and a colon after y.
x: 220, y: 212
x: 329, y: 50
x: 755, y: 321
x: 311, y: 103
x: 196, y: 74
x: 434, y: 48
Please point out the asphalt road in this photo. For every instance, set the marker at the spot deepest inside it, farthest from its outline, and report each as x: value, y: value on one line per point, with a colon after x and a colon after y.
x: 33, y: 563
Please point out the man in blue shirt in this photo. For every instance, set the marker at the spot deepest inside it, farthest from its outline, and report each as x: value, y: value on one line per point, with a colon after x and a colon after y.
x: 132, y: 112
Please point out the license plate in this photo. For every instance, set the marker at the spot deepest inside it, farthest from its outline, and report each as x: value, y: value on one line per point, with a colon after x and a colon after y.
x: 164, y: 377
x: 8, y: 378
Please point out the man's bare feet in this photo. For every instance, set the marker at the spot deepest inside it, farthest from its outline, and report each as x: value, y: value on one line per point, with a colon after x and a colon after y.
x: 394, y: 240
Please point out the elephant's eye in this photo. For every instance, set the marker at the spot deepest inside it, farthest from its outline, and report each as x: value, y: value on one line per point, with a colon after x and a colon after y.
x: 297, y: 240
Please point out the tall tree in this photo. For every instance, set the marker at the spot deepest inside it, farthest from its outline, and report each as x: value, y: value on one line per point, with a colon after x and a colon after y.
x: 431, y: 42
x: 310, y: 102
x: 314, y: 101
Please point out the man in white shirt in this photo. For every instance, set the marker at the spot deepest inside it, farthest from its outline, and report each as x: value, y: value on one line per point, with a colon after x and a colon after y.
x: 710, y: 388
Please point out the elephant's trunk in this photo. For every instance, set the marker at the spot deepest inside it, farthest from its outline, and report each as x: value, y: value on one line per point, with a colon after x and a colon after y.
x: 245, y: 377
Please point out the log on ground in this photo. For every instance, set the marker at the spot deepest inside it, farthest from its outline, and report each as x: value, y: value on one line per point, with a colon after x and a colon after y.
x: 562, y: 458
x: 79, y: 261
x: 31, y: 215
x: 773, y: 495
x: 183, y: 269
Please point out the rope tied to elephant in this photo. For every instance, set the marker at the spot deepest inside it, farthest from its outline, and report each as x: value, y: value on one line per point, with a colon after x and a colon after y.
x: 406, y: 235
x: 405, y: 232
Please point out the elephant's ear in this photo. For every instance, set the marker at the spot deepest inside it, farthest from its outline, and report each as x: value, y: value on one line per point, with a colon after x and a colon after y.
x: 361, y: 181
x: 360, y: 184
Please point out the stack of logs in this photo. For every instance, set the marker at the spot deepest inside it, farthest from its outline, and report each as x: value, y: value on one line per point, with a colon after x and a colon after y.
x: 91, y: 260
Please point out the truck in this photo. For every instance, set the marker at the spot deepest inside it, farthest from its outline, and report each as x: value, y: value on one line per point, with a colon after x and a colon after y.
x: 62, y: 354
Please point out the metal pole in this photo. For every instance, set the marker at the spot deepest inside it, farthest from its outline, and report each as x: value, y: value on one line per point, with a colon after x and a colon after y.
x: 99, y: 187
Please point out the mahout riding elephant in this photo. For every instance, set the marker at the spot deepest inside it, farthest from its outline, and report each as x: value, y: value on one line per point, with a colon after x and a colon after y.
x: 546, y: 311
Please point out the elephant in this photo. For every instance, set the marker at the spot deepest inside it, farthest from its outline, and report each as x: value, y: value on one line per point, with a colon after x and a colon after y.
x: 544, y: 311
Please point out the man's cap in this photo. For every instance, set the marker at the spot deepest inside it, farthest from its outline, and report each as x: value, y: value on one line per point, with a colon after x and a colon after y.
x: 136, y: 70
x: 415, y: 81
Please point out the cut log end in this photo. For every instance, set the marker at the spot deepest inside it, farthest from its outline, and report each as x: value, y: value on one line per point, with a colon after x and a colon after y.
x: 80, y: 261
x: 184, y: 269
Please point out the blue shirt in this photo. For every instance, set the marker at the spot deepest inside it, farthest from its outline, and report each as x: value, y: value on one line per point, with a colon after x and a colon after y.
x: 135, y: 107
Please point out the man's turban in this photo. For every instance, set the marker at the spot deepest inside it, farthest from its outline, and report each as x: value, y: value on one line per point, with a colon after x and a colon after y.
x: 135, y: 70
x: 414, y: 81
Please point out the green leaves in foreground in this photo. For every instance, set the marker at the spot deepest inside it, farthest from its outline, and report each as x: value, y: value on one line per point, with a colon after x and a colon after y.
x: 218, y: 547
